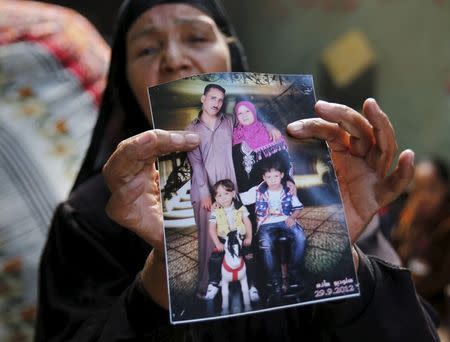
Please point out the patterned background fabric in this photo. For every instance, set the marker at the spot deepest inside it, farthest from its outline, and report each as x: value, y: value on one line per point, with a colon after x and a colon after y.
x: 53, y: 66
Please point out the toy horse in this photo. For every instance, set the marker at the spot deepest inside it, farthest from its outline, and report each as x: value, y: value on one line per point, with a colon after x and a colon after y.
x: 234, y: 269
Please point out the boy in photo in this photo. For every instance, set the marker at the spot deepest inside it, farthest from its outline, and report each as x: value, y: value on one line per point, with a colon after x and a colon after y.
x: 277, y: 210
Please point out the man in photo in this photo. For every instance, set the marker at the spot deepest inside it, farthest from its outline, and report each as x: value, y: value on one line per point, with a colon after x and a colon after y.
x: 211, y: 161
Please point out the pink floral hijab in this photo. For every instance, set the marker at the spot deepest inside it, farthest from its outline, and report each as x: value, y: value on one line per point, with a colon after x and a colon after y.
x: 255, y: 134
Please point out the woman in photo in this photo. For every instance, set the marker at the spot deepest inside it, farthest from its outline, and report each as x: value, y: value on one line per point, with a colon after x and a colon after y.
x: 252, y: 145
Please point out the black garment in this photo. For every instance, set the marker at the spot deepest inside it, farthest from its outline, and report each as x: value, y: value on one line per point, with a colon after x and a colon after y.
x: 88, y: 292
x: 247, y: 180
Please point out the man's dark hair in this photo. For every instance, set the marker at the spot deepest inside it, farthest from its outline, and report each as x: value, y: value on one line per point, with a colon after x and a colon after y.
x: 211, y: 86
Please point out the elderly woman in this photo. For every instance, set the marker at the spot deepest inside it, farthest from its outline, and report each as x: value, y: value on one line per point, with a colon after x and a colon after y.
x: 104, y: 278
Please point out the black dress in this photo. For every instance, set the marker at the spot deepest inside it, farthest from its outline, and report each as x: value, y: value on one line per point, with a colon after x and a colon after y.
x: 89, y: 292
x: 248, y: 163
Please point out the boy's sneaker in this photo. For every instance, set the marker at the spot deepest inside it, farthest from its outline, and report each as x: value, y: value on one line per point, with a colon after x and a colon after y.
x: 211, y: 291
x: 254, y: 295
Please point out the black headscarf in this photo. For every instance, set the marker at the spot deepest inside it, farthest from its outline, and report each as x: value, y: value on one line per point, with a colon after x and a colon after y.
x: 120, y: 115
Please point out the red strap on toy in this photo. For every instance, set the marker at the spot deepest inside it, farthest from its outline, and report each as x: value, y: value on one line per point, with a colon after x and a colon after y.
x: 235, y: 271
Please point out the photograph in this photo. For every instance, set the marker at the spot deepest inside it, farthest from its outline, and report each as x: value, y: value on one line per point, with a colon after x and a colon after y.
x: 253, y: 219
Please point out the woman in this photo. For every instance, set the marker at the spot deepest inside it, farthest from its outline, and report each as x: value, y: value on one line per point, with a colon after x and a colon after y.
x: 89, y: 261
x: 105, y: 281
x: 422, y: 236
x: 252, y: 145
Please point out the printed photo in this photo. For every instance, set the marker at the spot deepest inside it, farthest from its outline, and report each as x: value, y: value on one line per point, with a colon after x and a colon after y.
x: 253, y: 218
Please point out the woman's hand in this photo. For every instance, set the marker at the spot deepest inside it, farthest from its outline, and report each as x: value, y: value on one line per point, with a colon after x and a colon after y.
x: 292, y: 187
x: 274, y: 133
x: 363, y: 148
x: 131, y: 176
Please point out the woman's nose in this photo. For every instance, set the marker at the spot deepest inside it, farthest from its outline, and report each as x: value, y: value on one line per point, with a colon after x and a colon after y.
x: 174, y: 58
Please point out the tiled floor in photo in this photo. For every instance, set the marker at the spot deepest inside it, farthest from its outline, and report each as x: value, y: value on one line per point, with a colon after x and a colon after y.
x: 324, y: 228
x: 182, y: 257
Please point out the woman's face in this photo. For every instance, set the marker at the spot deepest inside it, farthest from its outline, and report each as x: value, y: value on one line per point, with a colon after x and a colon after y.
x: 245, y: 116
x: 172, y: 41
x: 429, y: 189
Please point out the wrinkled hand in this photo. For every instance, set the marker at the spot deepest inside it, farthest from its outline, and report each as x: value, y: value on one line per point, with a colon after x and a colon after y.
x: 362, y: 148
x: 131, y: 176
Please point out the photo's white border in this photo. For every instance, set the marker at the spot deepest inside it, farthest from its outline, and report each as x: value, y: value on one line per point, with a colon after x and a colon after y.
x: 250, y: 312
x: 164, y: 229
x: 262, y: 310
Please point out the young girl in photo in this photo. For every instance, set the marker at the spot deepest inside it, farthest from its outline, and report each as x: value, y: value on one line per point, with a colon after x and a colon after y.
x: 228, y: 215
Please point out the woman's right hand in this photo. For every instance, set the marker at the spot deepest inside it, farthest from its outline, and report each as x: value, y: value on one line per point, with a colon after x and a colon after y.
x: 131, y: 176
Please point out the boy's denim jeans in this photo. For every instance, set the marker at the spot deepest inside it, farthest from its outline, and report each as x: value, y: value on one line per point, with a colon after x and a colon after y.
x: 267, y: 237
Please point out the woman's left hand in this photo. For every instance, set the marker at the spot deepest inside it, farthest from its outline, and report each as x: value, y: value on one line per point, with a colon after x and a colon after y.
x: 274, y: 133
x: 292, y: 187
x: 362, y: 149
